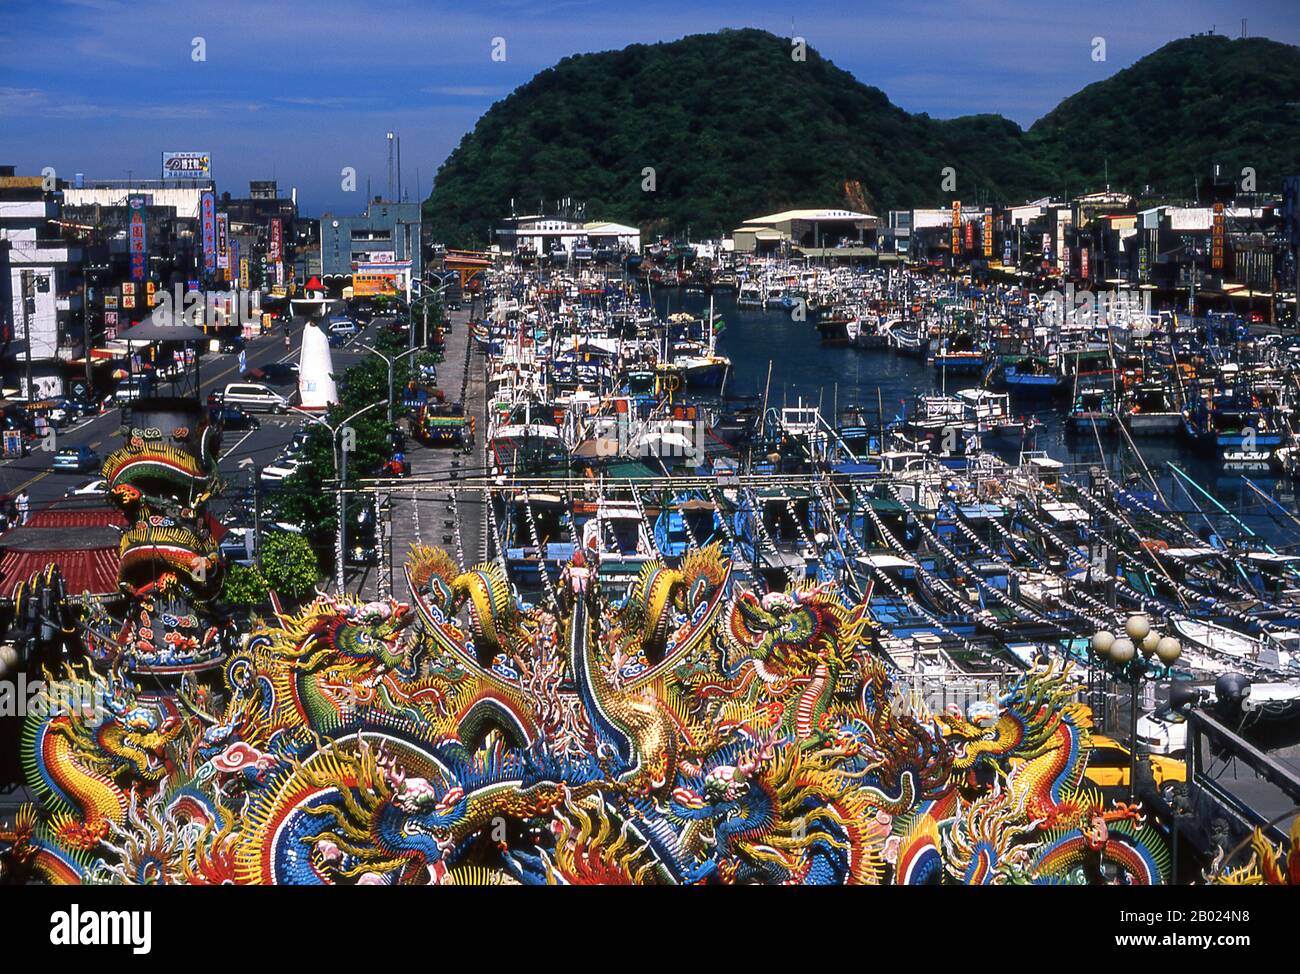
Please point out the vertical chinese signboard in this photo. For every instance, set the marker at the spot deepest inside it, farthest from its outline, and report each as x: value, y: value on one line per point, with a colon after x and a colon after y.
x: 1083, y: 263
x: 970, y: 235
x: 988, y: 232
x: 223, y: 241
x: 208, y: 216
x: 275, y: 247
x: 1216, y: 242
x: 956, y: 226
x: 139, y: 244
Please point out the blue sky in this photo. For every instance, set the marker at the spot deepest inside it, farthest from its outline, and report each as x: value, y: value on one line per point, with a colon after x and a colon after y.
x: 297, y: 90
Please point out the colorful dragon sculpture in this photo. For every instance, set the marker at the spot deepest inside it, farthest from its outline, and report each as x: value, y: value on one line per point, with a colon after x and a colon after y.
x: 691, y: 732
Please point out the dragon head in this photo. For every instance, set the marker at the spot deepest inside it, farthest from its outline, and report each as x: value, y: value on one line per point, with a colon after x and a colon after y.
x: 790, y: 633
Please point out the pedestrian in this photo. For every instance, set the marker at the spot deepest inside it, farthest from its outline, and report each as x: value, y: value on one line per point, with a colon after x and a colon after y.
x: 21, y: 504
x: 288, y: 347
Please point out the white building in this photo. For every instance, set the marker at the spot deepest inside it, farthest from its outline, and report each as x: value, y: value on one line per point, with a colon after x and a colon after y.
x: 110, y: 193
x: 543, y: 235
x: 34, y: 255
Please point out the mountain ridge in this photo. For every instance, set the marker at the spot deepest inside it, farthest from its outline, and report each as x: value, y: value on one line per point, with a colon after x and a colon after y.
x: 728, y: 126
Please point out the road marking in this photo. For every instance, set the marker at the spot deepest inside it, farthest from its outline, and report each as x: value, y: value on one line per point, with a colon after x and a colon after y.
x: 27, y: 483
x: 231, y: 452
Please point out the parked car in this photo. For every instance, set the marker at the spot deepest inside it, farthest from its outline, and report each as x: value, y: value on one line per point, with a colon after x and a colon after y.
x: 276, y: 373
x: 76, y: 459
x: 91, y: 488
x: 1108, y: 765
x: 344, y: 327
x: 66, y: 411
x: 234, y: 418
x: 285, y: 466
x: 254, y: 397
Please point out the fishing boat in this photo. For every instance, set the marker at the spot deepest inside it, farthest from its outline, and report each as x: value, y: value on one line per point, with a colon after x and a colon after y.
x: 1093, y: 409
x: 1150, y: 410
x: 958, y: 354
x: 991, y: 415
x: 750, y: 296
x: 908, y: 337
x: 1032, y: 375
x: 1232, y: 421
x: 836, y: 327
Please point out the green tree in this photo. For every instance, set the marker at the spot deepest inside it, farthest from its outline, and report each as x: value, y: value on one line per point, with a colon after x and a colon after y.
x: 289, y: 564
x: 245, y: 586
x: 308, y: 497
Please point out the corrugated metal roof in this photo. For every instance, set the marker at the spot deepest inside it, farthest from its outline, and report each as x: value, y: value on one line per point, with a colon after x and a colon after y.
x: 92, y: 570
x: 78, y: 517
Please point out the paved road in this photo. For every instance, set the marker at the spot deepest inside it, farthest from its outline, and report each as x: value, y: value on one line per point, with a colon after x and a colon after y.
x: 433, y: 516
x: 33, y: 473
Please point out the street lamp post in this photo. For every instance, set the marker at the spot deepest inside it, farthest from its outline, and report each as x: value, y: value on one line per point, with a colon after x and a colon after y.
x: 392, y: 364
x: 1120, y: 656
x: 340, y: 475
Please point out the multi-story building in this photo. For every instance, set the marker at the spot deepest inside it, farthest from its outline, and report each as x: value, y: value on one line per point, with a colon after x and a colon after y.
x: 377, y: 252
x: 40, y: 287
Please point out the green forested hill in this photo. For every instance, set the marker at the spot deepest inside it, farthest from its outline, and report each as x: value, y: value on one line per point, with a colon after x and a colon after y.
x: 1167, y: 119
x: 734, y: 127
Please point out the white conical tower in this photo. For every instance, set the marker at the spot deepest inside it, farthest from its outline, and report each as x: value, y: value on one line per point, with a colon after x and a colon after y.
x: 316, y: 391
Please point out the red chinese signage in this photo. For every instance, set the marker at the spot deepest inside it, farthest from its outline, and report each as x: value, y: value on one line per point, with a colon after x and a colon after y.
x: 1216, y: 242
x: 275, y: 249
x: 138, y: 244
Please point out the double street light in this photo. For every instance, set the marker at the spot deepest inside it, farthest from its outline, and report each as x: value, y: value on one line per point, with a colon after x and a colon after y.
x: 392, y: 365
x: 341, y: 451
x: 1120, y: 656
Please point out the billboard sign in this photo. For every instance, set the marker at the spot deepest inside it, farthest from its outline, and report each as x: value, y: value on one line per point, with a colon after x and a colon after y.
x: 988, y: 232
x: 275, y: 248
x: 208, y: 216
x: 1216, y: 240
x: 1083, y: 263
x: 956, y: 226
x: 223, y: 242
x: 139, y: 244
x: 186, y: 165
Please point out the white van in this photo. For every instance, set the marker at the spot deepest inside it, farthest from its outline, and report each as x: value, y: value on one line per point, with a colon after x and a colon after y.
x: 254, y: 397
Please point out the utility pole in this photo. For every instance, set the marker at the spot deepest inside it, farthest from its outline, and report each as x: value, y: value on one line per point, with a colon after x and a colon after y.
x: 87, y: 341
x: 27, y: 329
x: 257, y: 516
x: 339, y: 573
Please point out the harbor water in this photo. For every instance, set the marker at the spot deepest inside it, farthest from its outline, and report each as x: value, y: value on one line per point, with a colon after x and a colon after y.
x: 837, y: 377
